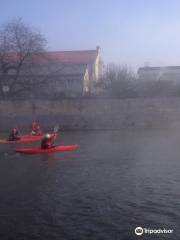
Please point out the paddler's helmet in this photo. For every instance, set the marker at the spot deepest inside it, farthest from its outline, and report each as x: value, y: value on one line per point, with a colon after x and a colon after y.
x: 47, y: 135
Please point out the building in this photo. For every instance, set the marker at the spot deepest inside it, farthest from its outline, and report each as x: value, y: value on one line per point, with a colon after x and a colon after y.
x: 61, y: 73
x: 169, y: 73
x: 71, y: 73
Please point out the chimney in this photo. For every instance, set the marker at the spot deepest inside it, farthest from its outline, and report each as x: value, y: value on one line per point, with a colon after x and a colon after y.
x: 98, y: 49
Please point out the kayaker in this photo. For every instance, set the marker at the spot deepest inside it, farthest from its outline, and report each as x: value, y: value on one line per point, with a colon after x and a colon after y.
x: 36, y: 129
x: 14, y: 135
x: 48, y: 141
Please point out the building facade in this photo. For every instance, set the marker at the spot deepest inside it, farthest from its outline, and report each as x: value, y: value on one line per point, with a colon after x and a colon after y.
x: 73, y: 73
x: 169, y: 73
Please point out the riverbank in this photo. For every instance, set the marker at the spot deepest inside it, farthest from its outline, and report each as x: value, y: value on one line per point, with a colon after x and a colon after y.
x: 92, y: 114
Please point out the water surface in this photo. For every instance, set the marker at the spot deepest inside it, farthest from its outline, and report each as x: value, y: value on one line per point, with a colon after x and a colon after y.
x: 116, y: 181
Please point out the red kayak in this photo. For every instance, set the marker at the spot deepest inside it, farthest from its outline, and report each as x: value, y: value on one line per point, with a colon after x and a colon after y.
x: 24, y: 139
x: 32, y: 136
x: 49, y: 150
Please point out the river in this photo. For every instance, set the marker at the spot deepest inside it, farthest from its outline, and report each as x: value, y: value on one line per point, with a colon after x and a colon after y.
x: 116, y: 181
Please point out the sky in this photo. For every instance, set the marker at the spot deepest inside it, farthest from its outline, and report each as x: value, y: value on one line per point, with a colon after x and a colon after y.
x: 130, y: 32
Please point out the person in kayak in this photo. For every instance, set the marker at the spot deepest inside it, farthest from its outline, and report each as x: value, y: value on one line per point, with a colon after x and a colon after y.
x: 14, y: 135
x: 48, y: 141
x: 36, y: 129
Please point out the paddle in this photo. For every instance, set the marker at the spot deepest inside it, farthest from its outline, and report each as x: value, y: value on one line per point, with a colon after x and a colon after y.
x: 18, y: 131
x: 56, y: 128
x: 55, y: 131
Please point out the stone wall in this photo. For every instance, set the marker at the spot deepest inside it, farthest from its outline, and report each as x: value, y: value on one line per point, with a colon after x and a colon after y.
x: 91, y: 113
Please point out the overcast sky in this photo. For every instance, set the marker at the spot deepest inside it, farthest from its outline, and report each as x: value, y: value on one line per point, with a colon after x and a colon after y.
x: 132, y: 32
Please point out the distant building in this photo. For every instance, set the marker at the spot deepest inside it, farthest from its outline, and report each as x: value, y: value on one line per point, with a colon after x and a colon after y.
x: 169, y: 73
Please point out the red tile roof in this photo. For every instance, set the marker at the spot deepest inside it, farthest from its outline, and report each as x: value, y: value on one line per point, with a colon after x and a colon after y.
x: 64, y: 57
x: 74, y: 57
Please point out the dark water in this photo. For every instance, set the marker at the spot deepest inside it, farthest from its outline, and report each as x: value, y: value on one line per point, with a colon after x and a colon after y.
x: 116, y: 181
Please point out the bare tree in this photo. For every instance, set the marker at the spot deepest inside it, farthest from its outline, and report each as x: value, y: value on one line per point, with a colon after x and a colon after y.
x: 18, y: 46
x: 119, y: 81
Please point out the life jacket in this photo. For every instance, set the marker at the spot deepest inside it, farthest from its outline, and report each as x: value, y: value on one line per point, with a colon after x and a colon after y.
x: 36, y: 130
x: 34, y: 126
x: 48, y: 142
x: 14, y: 132
x: 14, y: 135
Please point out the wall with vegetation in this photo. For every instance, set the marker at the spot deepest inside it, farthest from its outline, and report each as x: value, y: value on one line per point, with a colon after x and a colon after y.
x: 92, y: 113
